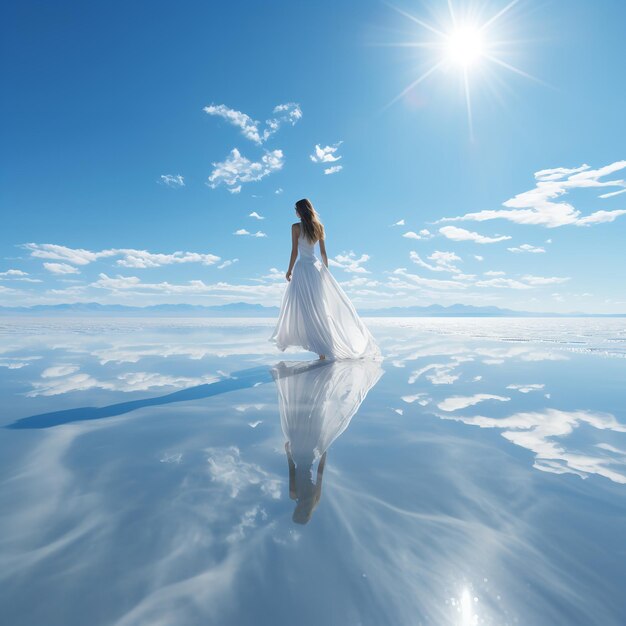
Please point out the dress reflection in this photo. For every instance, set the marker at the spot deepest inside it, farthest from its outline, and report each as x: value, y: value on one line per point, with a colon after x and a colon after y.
x: 317, y: 401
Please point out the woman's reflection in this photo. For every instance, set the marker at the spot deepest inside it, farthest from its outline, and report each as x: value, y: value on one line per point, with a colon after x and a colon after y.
x: 317, y: 401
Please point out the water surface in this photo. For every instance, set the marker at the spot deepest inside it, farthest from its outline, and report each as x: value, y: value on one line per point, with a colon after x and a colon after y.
x: 181, y: 471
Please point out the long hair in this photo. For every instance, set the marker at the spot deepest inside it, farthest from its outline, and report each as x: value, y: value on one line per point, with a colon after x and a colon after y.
x: 311, y: 224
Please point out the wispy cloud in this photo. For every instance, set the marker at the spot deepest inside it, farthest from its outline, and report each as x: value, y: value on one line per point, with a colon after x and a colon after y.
x: 256, y: 216
x: 526, y: 247
x: 227, y: 263
x: 442, y: 261
x: 398, y: 223
x: 537, y: 205
x: 544, y: 280
x: 333, y: 169
x: 461, y: 234
x: 18, y: 275
x: 237, y: 169
x: 133, y: 286
x: 288, y: 113
x: 130, y: 257
x: 456, y: 403
x: 61, y: 268
x: 172, y: 181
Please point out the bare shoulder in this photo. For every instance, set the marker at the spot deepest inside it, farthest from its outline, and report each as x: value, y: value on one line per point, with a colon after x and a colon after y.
x: 295, y: 227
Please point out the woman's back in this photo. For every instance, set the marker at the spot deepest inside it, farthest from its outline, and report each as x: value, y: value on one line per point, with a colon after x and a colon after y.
x: 306, y: 249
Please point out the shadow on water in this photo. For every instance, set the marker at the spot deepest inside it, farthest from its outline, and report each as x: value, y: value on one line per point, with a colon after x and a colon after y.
x: 243, y: 379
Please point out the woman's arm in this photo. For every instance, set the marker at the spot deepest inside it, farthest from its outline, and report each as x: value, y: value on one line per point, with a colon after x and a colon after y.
x: 295, y: 233
x: 323, y: 252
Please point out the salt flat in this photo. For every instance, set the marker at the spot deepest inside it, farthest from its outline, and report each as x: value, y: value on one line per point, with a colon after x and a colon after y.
x: 477, y: 475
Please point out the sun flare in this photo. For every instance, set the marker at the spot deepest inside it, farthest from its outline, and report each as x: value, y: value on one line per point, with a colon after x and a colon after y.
x: 465, y: 44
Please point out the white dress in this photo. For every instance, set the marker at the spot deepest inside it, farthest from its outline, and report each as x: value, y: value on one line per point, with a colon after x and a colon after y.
x: 317, y: 315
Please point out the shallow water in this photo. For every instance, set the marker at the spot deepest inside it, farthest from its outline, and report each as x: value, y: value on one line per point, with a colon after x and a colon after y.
x: 476, y: 476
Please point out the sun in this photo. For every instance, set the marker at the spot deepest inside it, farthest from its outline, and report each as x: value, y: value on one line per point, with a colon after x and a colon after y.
x: 464, y: 44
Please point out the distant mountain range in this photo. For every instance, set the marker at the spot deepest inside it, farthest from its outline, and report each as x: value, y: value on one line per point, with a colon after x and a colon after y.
x: 243, y: 309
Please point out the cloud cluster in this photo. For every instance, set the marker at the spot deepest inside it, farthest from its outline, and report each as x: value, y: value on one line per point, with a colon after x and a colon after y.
x: 349, y: 262
x: 288, y: 113
x: 537, y: 206
x: 237, y: 169
x: 327, y: 154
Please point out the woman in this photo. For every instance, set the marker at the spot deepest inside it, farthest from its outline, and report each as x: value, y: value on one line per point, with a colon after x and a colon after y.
x: 316, y: 314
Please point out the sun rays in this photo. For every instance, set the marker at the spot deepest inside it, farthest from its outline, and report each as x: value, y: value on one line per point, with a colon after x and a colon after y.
x: 464, y: 44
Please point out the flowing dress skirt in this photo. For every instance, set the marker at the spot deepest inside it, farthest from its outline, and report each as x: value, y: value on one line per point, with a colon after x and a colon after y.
x: 317, y: 315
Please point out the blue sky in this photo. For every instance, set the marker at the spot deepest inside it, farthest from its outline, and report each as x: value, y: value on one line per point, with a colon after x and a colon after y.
x: 105, y: 105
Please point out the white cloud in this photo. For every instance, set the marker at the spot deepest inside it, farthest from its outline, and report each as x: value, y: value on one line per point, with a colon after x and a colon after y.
x: 59, y: 370
x: 547, y: 433
x: 173, y: 181
x: 428, y: 282
x: 479, y: 258
x: 279, y: 191
x: 61, y: 268
x: 536, y: 206
x: 143, y: 259
x: 251, y: 129
x: 461, y: 234
x: 236, y: 189
x: 237, y: 169
x: 130, y: 257
x: 502, y: 283
x: 349, y: 262
x: 133, y: 286
x: 255, y: 215
x: 76, y: 256
x: 544, y: 280
x: 423, y: 234
x: 494, y: 273
x: 13, y: 273
x: 462, y: 402
x: 60, y: 380
x: 359, y: 282
x: 17, y: 275
x: 333, y: 170
x: 326, y: 154
x: 526, y: 388
x: 526, y: 247
x: 612, y: 193
x: 398, y: 223
x: 244, y: 232
x: 443, y: 261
